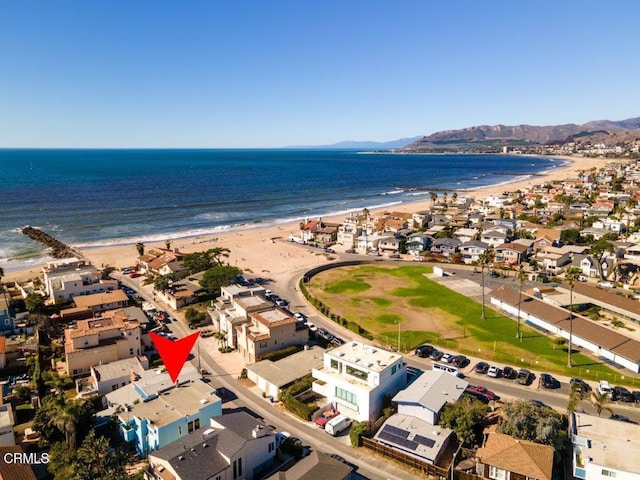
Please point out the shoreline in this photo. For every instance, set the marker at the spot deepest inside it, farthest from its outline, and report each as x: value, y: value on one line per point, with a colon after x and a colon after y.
x: 253, y: 246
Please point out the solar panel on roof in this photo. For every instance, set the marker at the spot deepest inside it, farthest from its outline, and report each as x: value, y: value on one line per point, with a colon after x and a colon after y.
x: 396, y: 431
x: 427, y: 442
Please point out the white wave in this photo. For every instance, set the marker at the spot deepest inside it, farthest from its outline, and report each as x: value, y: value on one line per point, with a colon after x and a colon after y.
x: 417, y: 194
x: 392, y: 192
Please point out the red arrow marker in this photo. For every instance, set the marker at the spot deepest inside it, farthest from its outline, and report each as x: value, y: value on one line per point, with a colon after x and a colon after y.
x: 174, y: 352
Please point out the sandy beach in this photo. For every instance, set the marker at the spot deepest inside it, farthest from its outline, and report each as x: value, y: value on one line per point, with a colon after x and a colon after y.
x: 258, y: 250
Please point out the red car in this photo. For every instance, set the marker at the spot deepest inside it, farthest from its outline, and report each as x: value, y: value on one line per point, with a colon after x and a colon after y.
x: 135, y: 275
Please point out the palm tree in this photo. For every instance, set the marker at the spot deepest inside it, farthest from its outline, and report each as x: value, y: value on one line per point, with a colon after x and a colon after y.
x: 140, y: 248
x: 216, y: 254
x: 571, y: 276
x: 522, y: 277
x: 455, y: 197
x: 576, y: 396
x: 444, y: 195
x: 167, y: 244
x: 484, y: 260
x: 599, y: 402
x: 434, y: 197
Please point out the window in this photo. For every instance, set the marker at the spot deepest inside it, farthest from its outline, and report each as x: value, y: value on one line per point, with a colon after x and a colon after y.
x: 271, y: 447
x: 240, y: 467
x: 197, y: 423
x: 235, y: 469
x: 335, y: 365
x: 263, y: 344
x: 355, y: 372
x: 346, y: 395
x: 131, y: 351
x: 394, y: 369
x: 498, y: 473
x: 608, y: 473
x: 179, y: 429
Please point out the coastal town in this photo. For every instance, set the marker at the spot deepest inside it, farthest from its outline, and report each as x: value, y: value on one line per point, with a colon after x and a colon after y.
x: 285, y: 382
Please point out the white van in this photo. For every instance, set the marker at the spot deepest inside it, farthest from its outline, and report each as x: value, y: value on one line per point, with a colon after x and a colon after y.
x: 207, y: 332
x: 447, y: 368
x: 337, y: 425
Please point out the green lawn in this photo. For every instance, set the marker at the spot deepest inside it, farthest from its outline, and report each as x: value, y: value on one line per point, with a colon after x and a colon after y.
x: 377, y: 298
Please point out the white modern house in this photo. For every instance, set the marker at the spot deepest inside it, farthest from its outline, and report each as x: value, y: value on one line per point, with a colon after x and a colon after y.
x: 604, y: 448
x: 356, y: 377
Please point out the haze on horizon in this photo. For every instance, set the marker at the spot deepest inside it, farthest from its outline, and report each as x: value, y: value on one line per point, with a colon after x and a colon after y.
x: 268, y: 74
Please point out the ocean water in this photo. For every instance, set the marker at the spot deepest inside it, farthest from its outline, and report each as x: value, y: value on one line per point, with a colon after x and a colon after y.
x: 92, y: 198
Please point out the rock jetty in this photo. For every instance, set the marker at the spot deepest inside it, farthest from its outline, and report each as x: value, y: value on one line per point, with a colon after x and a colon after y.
x: 57, y: 248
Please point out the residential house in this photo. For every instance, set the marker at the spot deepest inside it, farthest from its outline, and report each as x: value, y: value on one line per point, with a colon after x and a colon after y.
x: 631, y: 253
x: 153, y: 411
x: 610, y: 224
x: 494, y: 237
x: 348, y: 232
x: 587, y: 265
x: 511, y: 253
x: 596, y: 233
x: 7, y: 422
x: 315, y: 466
x: 371, y: 243
x: 317, y: 231
x: 472, y: 250
x: 465, y: 234
x: 166, y: 258
x: 552, y: 261
x: 174, y: 270
x: 107, y: 377
x: 114, y: 336
x: 233, y: 446
x: 233, y: 306
x: 604, y: 448
x: 421, y: 219
x: 101, y: 302
x: 503, y: 457
x: 356, y: 377
x: 546, y: 240
x: 6, y: 319
x: 267, y: 331
x: 272, y: 377
x: 445, y: 246
x: 418, y: 243
x: 391, y: 245
x: 70, y: 278
x: 3, y: 352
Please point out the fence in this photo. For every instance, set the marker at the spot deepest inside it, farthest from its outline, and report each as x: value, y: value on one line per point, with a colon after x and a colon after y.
x: 413, y: 462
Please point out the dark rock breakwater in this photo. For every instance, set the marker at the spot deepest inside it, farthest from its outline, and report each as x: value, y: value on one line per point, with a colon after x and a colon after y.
x: 57, y: 248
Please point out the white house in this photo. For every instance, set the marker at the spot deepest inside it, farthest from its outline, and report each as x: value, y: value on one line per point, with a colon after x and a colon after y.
x: 356, y: 377
x: 472, y: 250
x: 604, y: 448
x: 65, y: 279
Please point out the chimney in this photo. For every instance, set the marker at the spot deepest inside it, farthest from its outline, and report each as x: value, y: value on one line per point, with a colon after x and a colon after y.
x: 258, y: 432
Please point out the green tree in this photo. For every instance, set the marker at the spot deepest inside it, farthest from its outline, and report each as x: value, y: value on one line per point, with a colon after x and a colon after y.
x: 218, y: 254
x: 22, y: 393
x: 434, y: 197
x: 527, y: 421
x: 571, y: 277
x: 570, y: 236
x: 600, y: 402
x: 140, y: 248
x: 462, y: 417
x: 197, y: 262
x: 61, y: 420
x: 34, y: 303
x: 576, y: 396
x: 162, y: 283
x: 598, y: 251
x: 167, y: 244
x: 217, y: 277
x: 92, y: 461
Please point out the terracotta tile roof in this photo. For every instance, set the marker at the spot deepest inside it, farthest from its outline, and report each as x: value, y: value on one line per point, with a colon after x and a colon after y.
x: 518, y: 456
x: 310, y: 224
x: 14, y: 470
x: 516, y: 247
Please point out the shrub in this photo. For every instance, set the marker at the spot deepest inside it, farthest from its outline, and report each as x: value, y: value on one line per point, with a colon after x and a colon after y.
x: 278, y: 354
x: 356, y: 432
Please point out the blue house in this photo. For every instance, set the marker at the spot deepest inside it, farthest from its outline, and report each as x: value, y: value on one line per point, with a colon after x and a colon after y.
x: 6, y: 320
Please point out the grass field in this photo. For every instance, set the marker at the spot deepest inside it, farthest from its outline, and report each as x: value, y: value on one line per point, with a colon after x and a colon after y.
x: 380, y: 298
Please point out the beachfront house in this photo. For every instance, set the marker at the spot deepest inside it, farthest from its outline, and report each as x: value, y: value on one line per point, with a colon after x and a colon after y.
x: 370, y: 243
x: 356, y: 377
x: 512, y: 254
x: 269, y: 330
x: 66, y: 279
x: 101, y: 302
x: 391, y: 245
x: 232, y: 446
x: 348, y: 232
x: 112, y: 337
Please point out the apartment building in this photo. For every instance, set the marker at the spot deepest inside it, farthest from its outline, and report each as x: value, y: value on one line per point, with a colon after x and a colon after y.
x: 69, y: 278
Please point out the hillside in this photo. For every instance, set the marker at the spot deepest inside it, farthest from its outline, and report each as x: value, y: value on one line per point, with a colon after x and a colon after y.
x: 492, y: 136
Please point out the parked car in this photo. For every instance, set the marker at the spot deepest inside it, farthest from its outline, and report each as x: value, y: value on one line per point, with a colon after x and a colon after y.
x: 524, y: 376
x: 329, y: 250
x: 604, y: 388
x: 547, y: 381
x: 135, y: 275
x: 350, y: 250
x: 447, y: 358
x: 482, y: 367
x: 281, y: 302
x: 636, y: 395
x: 460, y: 361
x: 312, y: 327
x: 493, y: 371
x: 509, y: 372
x: 435, y: 355
x: 622, y: 394
x: 579, y: 385
x: 300, y: 316
x: 621, y: 418
x: 424, y: 351
x: 268, y: 294
x: 324, y: 333
x: 394, y: 255
x: 493, y: 274
x: 337, y: 341
x: 606, y: 285
x: 374, y: 253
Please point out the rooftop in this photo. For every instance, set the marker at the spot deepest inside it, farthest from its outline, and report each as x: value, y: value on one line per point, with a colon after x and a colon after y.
x: 88, y: 301
x: 612, y: 443
x: 112, y: 370
x: 6, y: 416
x: 273, y: 317
x: 289, y: 369
x: 315, y: 466
x: 527, y: 458
x: 432, y: 389
x: 372, y: 358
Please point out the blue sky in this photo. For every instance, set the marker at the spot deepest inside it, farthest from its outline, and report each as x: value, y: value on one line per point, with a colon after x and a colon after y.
x: 273, y: 73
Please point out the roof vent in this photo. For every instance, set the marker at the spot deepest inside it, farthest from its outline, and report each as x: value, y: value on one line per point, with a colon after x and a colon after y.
x: 180, y: 457
x: 205, y: 445
x: 208, y: 431
x: 161, y: 468
x: 203, y: 401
